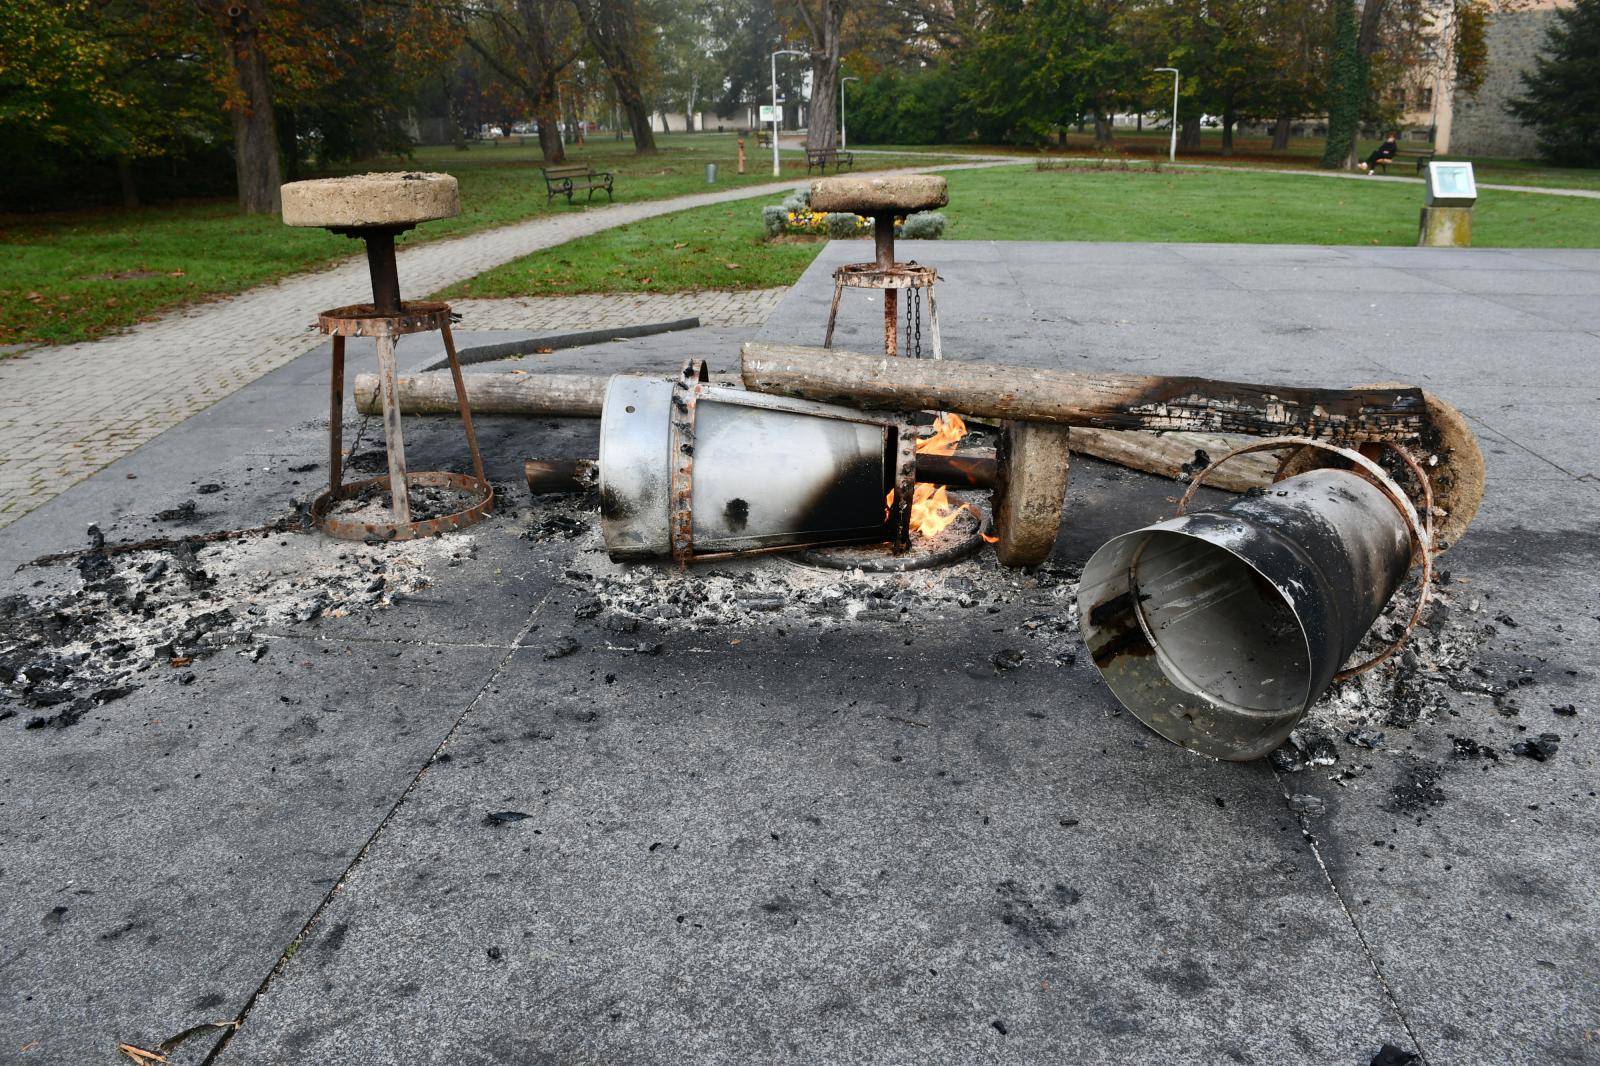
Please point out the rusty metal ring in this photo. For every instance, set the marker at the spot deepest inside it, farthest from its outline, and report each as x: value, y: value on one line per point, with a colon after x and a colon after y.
x: 344, y: 529
x: 1420, y: 530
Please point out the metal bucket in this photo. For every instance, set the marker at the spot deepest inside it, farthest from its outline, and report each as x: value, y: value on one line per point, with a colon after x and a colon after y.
x: 1219, y: 629
x: 711, y: 173
x: 693, y: 470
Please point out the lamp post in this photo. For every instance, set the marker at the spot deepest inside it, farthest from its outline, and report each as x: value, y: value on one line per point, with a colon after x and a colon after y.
x: 776, y: 114
x: 1172, y: 150
x: 844, y: 139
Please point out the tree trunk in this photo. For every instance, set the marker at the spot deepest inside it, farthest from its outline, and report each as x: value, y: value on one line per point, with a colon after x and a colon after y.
x: 1102, y: 128
x: 1228, y: 120
x: 289, y: 144
x: 1100, y: 400
x: 1189, y: 132
x: 611, y: 27
x: 550, y: 146
x: 130, y: 190
x: 824, y: 25
x: 1346, y: 88
x: 255, y: 137
x: 1280, y: 132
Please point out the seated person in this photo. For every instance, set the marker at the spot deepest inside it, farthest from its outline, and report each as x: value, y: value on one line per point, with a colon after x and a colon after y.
x: 1381, y: 156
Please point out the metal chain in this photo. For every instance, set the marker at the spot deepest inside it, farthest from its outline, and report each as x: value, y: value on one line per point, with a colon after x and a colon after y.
x: 906, y: 333
x: 916, y: 344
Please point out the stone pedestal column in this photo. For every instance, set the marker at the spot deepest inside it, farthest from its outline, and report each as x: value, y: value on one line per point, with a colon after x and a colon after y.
x: 1445, y: 227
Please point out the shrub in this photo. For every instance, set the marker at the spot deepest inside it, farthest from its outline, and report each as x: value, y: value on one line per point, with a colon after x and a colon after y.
x: 772, y: 218
x: 842, y: 225
x: 923, y: 226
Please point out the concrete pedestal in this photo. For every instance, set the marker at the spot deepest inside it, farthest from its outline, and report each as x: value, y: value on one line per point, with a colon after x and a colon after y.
x: 1445, y: 227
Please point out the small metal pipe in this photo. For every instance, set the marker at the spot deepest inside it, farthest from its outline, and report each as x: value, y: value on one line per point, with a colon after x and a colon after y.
x: 883, y: 239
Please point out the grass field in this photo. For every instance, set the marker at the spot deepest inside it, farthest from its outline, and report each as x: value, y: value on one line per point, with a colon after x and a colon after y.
x: 74, y: 276
x: 721, y: 247
x: 1302, y: 153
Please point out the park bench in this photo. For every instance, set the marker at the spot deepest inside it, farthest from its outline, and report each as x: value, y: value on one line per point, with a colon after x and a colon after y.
x: 571, y: 177
x: 822, y: 157
x: 764, y: 137
x: 1420, y: 156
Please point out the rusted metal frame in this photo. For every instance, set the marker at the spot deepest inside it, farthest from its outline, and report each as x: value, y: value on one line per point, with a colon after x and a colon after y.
x: 336, y: 417
x: 381, y: 265
x: 905, y: 485
x: 552, y: 476
x: 461, y: 399
x: 365, y: 320
x: 883, y: 240
x: 833, y: 308
x: 680, y: 454
x: 344, y: 529
x: 1420, y: 525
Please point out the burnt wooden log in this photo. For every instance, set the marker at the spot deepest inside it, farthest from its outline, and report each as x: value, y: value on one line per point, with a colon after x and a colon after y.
x: 434, y: 393
x: 1097, y: 400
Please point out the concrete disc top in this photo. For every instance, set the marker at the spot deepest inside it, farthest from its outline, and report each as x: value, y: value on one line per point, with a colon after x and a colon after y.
x: 401, y: 199
x: 870, y: 196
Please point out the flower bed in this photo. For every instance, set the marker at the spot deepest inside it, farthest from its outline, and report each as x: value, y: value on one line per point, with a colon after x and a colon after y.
x: 794, y: 218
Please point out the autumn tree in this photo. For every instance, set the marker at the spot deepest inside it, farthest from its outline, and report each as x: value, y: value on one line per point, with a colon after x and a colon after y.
x: 619, y: 31
x: 823, y: 21
x: 530, y: 44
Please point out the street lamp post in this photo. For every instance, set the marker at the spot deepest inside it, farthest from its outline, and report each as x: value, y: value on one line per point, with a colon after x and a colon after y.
x: 776, y: 114
x: 844, y: 139
x: 1172, y: 151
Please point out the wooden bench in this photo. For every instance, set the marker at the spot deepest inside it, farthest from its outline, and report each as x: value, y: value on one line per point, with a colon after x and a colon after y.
x: 1421, y: 156
x: 822, y: 157
x: 569, y: 178
x: 764, y: 136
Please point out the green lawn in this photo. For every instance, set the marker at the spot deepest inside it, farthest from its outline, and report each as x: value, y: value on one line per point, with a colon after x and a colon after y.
x: 721, y: 247
x: 1249, y: 151
x: 74, y: 276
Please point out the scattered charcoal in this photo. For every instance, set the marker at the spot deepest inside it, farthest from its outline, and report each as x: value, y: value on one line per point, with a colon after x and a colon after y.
x: 1318, y: 749
x: 619, y: 623
x: 1389, y: 1055
x: 185, y: 512
x: 1286, y: 759
x: 1467, y: 748
x: 1007, y: 659
x: 1565, y: 710
x: 1506, y: 620
x: 303, y: 468
x: 999, y: 1027
x: 499, y: 818
x: 1539, y: 748
x: 645, y: 647
x: 494, y: 953
x: 1419, y: 791
x: 7, y: 713
x: 561, y: 647
x: 588, y: 609
x: 211, y: 487
x: 36, y: 722
x: 556, y: 526
x: 1365, y: 737
x: 1194, y: 466
x: 1311, y: 806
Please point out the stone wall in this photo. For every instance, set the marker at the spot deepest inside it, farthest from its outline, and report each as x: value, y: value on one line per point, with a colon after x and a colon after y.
x: 1481, y: 125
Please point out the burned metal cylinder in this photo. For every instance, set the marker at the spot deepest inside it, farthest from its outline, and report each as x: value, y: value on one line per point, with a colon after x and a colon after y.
x: 1219, y: 629
x: 691, y: 470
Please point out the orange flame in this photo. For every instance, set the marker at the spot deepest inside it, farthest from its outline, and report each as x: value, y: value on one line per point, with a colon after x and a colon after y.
x: 931, y: 508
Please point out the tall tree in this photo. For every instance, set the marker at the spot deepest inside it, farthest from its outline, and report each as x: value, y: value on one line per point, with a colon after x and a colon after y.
x: 239, y: 29
x: 618, y: 31
x: 1561, y: 98
x: 530, y: 44
x: 824, y: 25
x: 1346, y: 87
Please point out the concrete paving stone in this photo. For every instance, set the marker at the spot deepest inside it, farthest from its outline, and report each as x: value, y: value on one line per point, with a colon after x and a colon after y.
x: 1376, y: 313
x: 714, y: 870
x: 161, y: 854
x: 1352, y: 277
x: 1541, y: 282
x: 1454, y: 259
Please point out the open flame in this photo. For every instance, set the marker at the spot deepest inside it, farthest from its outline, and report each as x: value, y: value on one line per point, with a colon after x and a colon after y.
x: 931, y: 508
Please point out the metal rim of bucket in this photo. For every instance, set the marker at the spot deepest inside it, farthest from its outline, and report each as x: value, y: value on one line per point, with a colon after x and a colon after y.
x: 1420, y: 528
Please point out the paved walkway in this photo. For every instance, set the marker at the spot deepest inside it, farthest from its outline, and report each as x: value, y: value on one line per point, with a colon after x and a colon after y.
x: 65, y: 412
x: 713, y: 308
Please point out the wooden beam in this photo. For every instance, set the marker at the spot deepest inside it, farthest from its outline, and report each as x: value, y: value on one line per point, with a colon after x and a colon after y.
x: 1073, y: 398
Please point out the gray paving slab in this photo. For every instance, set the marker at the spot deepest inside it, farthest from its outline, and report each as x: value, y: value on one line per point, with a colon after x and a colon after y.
x: 160, y: 855
x: 1182, y: 930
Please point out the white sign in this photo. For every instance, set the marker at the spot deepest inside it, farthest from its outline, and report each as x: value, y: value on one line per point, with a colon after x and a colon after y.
x: 1451, y: 185
x: 769, y: 113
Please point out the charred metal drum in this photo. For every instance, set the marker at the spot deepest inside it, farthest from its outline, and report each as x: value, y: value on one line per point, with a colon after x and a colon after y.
x: 691, y: 470
x: 1220, y: 628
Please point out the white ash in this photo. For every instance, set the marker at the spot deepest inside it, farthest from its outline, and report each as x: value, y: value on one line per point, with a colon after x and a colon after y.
x: 88, y: 635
